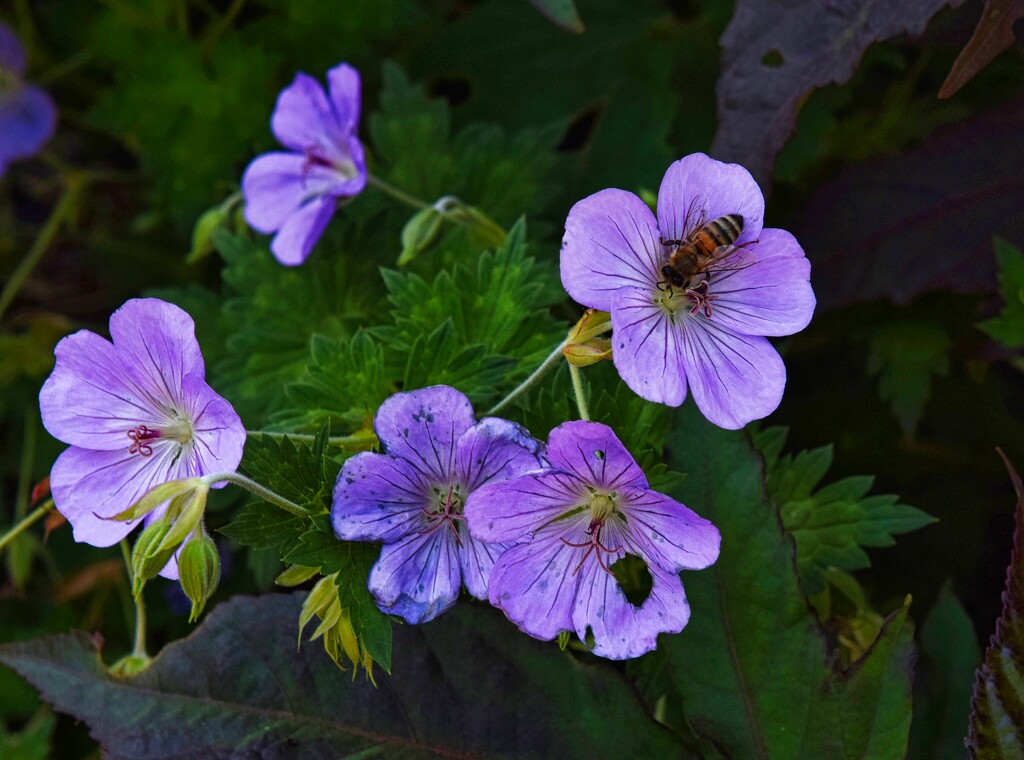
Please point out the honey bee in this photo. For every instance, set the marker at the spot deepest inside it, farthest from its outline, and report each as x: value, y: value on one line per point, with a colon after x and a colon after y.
x: 703, y: 251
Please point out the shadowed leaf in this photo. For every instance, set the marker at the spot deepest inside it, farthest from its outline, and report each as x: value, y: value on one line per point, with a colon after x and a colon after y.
x: 560, y: 12
x: 242, y: 691
x: 992, y: 36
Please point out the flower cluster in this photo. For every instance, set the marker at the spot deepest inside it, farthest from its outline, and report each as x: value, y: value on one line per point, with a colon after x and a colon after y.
x: 27, y: 113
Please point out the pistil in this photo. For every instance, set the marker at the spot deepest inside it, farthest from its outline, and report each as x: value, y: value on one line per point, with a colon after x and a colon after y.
x: 446, y: 511
x: 179, y: 430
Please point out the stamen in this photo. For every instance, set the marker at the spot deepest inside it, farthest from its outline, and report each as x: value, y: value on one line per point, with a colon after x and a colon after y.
x: 593, y: 545
x: 139, y: 435
x: 701, y: 298
x: 449, y: 514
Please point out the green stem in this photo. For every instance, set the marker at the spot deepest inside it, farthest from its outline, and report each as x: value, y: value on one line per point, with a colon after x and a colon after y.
x: 27, y: 523
x: 341, y: 441
x: 28, y: 449
x: 139, y: 649
x: 59, y: 214
x: 577, y: 388
x: 394, y: 192
x: 537, y: 374
x: 262, y: 491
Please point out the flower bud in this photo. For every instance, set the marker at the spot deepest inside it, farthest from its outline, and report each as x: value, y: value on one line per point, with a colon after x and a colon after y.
x: 335, y: 627
x: 130, y: 665
x: 591, y: 324
x: 147, y: 557
x: 202, y: 234
x: 420, y: 233
x: 199, y: 572
x: 591, y: 352
x: 157, y: 496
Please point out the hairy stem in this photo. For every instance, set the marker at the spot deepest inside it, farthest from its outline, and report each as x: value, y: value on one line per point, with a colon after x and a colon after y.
x: 262, y: 491
x: 577, y: 389
x: 139, y: 648
x: 551, y: 360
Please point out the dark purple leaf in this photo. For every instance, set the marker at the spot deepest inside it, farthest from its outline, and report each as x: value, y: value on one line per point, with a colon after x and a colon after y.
x: 900, y: 226
x: 993, y: 35
x: 776, y: 51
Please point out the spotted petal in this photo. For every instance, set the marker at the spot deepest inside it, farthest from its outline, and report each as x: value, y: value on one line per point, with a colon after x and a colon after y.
x: 378, y: 498
x: 668, y: 533
x: 418, y: 577
x: 496, y: 449
x: 593, y: 453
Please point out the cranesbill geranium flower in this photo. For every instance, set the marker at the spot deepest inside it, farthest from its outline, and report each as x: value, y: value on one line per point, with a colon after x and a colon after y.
x: 411, y: 498
x: 570, y: 525
x: 27, y: 114
x: 296, y: 193
x: 704, y: 329
x: 137, y: 413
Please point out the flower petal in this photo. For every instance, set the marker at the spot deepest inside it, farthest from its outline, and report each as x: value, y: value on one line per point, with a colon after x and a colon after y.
x: 704, y: 189
x: 611, y: 240
x: 219, y: 432
x: 28, y: 118
x: 344, y: 87
x: 303, y: 117
x: 301, y: 231
x: 734, y: 378
x: 378, y: 498
x: 668, y: 533
x: 477, y: 559
x: 495, y: 449
x: 620, y: 629
x: 593, y: 452
x: 276, y: 185
x: 92, y: 398
x: 646, y: 347
x: 534, y: 585
x: 157, y: 340
x: 423, y: 427
x: 417, y: 578
x: 512, y: 510
x: 12, y: 53
x: 771, y: 296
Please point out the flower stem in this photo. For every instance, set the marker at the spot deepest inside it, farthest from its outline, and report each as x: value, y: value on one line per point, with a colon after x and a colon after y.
x: 577, y: 388
x: 548, y: 363
x: 394, y: 192
x: 356, y: 441
x: 139, y: 649
x: 262, y: 491
x: 58, y: 216
x: 22, y: 526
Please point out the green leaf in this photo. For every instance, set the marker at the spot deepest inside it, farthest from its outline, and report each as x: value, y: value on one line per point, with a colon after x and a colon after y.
x: 33, y: 742
x: 905, y: 356
x: 300, y: 472
x: 466, y: 685
x: 831, y: 524
x: 1008, y: 327
x: 265, y: 526
x: 560, y: 12
x: 752, y: 667
x: 942, y: 689
x: 997, y: 706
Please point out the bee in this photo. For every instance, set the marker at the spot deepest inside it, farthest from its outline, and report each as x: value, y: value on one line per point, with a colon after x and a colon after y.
x: 703, y: 251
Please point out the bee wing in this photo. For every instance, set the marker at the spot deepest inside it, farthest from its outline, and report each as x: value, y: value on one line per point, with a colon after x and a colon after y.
x: 729, y: 258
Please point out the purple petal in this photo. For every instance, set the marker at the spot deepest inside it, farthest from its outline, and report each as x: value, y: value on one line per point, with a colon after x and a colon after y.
x: 88, y: 483
x: 157, y: 340
x: 92, y: 398
x: 704, y: 189
x: 423, y: 428
x: 669, y: 534
x: 595, y: 455
x: 417, y: 578
x: 301, y: 231
x: 646, y: 343
x: 12, y: 53
x: 534, y: 585
x: 276, y: 185
x: 303, y: 117
x: 511, y: 511
x: 496, y: 449
x: 733, y: 378
x: 611, y: 240
x: 620, y: 629
x: 219, y: 432
x: 378, y: 498
x: 344, y: 86
x: 477, y: 559
x: 28, y: 118
x: 773, y: 295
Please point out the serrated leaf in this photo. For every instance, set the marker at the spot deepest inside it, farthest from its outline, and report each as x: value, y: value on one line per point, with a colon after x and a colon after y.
x: 997, y: 705
x: 300, y: 472
x: 265, y: 526
x: 993, y: 35
x: 751, y: 666
x: 1008, y: 327
x: 242, y: 690
x: 905, y: 356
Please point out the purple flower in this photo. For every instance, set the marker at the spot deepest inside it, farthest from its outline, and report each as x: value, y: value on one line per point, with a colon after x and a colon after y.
x: 411, y: 498
x: 137, y: 413
x: 295, y: 194
x: 703, y: 328
x: 570, y: 525
x: 27, y: 114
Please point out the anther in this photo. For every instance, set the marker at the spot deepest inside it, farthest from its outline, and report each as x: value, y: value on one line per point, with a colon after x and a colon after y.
x: 140, y: 434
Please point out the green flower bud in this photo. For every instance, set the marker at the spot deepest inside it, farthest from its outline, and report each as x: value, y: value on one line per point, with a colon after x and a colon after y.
x: 130, y: 665
x: 591, y: 352
x: 157, y: 496
x: 420, y: 233
x: 185, y: 514
x: 202, y: 234
x: 147, y: 557
x: 199, y: 572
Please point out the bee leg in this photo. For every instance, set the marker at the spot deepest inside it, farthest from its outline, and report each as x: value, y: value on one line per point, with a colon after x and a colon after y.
x: 663, y: 241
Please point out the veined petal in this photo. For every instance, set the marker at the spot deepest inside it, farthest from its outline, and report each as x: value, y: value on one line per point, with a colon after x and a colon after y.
x: 595, y: 455
x: 611, y: 241
x: 378, y: 498
x: 12, y: 53
x: 771, y: 296
x: 345, y: 90
x: 301, y: 231
x: 303, y: 117
x: 417, y: 578
x: 496, y: 449
x: 219, y: 435
x: 669, y: 534
x: 620, y: 629
x: 646, y: 346
x: 28, y: 118
x: 513, y: 510
x: 276, y: 185
x: 423, y: 427
x: 158, y: 341
x: 698, y: 189
x: 477, y: 559
x: 733, y: 378
x: 534, y: 585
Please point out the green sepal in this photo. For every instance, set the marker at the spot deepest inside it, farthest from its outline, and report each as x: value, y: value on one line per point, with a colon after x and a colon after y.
x: 199, y: 572
x: 296, y: 575
x: 420, y: 233
x: 154, y: 498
